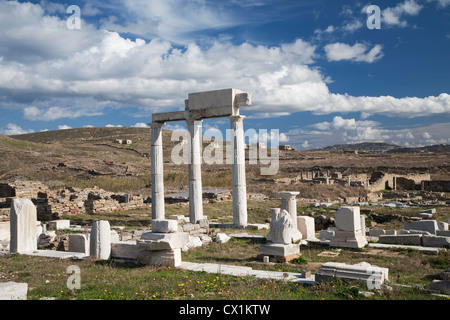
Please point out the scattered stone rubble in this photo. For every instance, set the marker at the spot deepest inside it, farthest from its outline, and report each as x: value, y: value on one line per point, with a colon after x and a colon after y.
x: 51, y: 205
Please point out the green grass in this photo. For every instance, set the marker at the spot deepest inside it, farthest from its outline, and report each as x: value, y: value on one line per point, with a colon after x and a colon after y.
x: 108, y: 281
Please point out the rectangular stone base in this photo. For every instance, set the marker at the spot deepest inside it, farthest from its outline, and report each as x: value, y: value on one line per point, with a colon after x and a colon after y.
x: 344, y: 239
x: 280, y: 252
x: 166, y: 258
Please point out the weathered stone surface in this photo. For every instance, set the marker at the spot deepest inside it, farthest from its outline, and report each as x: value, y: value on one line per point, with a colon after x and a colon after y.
x: 79, y: 243
x: 100, y: 240
x: 23, y: 226
x: 13, y: 291
x: 58, y: 224
x: 440, y: 286
x: 435, y: 241
x: 168, y: 258
x: 281, y: 228
x: 163, y: 241
x: 306, y: 227
x: 364, y: 272
x: 124, y: 250
x: 164, y: 226
x: 222, y: 238
x: 424, y: 225
x: 327, y: 234
x: 348, y: 229
x: 404, y: 239
x: 278, y: 249
x: 377, y: 232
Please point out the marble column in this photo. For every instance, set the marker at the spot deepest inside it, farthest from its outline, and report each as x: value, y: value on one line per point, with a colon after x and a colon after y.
x: 157, y: 172
x: 195, y: 171
x: 238, y: 171
x: 289, y: 203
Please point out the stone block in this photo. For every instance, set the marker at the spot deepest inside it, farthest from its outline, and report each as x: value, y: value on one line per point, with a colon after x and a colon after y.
x: 188, y: 227
x: 377, y: 232
x: 203, y: 223
x: 404, y: 239
x: 440, y: 286
x: 280, y: 250
x: 163, y: 241
x: 164, y: 226
x: 442, y: 225
x: 306, y: 227
x: 225, y: 99
x: 326, y: 234
x: 167, y: 258
x: 435, y: 241
x: 100, y: 240
x: 425, y: 225
x: 13, y: 291
x: 443, y: 233
x: 79, y: 243
x: 348, y: 229
x: 124, y: 250
x: 58, y: 224
x: 363, y: 272
x: 428, y: 211
x: 348, y: 219
x: 23, y: 226
x: 222, y: 238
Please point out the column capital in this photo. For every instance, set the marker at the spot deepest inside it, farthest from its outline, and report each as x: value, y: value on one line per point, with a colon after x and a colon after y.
x: 156, y: 124
x: 287, y: 194
x: 236, y: 118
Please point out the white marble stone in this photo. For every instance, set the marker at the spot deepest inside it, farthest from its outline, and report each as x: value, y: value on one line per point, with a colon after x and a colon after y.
x: 23, y: 226
x: 306, y: 227
x: 348, y: 232
x: 79, y: 243
x: 100, y: 240
x: 13, y: 291
x: 165, y: 226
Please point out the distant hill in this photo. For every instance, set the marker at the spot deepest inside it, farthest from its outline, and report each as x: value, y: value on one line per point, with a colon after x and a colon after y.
x: 376, y: 147
x: 380, y: 147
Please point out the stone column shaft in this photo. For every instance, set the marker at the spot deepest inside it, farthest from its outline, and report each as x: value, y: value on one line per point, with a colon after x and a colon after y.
x: 239, y: 185
x: 195, y: 171
x: 157, y: 161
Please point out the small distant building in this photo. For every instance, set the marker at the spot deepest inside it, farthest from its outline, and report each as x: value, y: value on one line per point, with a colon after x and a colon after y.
x: 259, y: 145
x: 121, y: 141
x: 285, y: 147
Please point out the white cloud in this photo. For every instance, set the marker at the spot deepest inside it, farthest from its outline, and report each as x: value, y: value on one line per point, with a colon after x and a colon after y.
x: 358, y: 52
x: 305, y: 144
x: 13, y: 129
x: 426, y: 135
x: 140, y: 125
x: 98, y: 69
x: 352, y: 26
x: 64, y: 127
x: 392, y: 16
x: 114, y: 126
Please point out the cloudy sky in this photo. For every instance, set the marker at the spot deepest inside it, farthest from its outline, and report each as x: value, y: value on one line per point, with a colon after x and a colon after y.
x: 318, y: 70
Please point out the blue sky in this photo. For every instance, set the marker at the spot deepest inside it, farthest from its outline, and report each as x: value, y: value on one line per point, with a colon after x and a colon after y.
x: 316, y: 72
